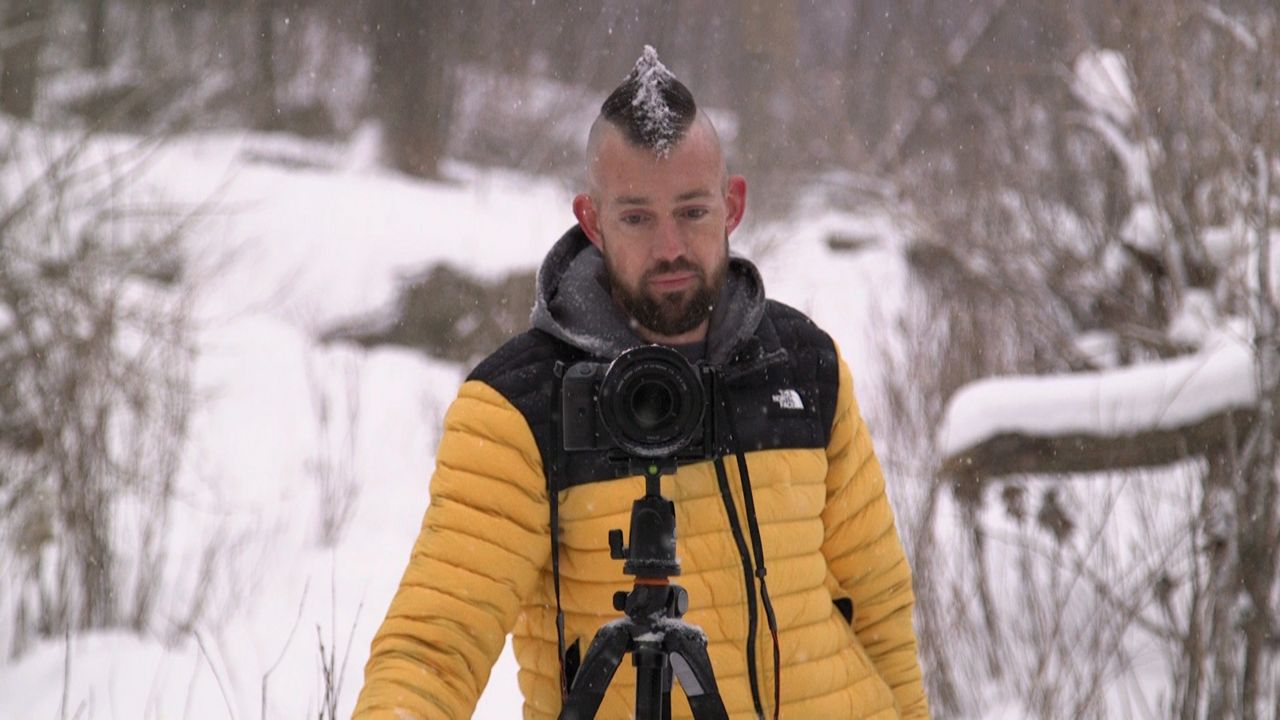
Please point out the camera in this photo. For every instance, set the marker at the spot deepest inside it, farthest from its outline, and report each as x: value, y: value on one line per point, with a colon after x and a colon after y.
x: 650, y: 402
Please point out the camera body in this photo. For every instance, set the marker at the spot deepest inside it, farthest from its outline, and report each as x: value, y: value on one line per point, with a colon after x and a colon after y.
x: 650, y: 402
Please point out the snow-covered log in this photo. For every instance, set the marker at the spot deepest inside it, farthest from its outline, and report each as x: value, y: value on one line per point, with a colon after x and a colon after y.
x: 1143, y: 415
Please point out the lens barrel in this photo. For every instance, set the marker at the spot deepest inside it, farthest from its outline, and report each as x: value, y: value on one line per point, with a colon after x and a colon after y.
x: 652, y: 401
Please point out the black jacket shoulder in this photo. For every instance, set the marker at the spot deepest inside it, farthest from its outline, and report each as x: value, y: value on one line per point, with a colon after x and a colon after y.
x: 812, y: 353
x: 523, y: 371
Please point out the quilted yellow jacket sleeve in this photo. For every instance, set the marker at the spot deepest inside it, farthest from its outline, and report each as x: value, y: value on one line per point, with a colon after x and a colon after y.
x: 483, y: 543
x: 864, y: 552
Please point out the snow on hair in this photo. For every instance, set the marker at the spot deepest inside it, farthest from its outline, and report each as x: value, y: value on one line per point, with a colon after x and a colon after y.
x: 651, y: 105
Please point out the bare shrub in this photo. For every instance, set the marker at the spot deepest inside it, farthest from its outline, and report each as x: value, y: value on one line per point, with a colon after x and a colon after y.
x: 331, y: 671
x: 1081, y: 212
x: 94, y: 383
x: 332, y: 466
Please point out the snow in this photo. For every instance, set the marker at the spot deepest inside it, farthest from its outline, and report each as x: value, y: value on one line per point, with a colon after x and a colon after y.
x: 1195, y: 319
x: 658, y: 117
x: 1098, y: 347
x: 1102, y: 82
x: 318, y: 246
x: 1236, y: 28
x: 1124, y: 401
x: 1115, y: 261
x: 1127, y: 531
x: 1143, y: 228
x: 1226, y: 245
x: 853, y: 296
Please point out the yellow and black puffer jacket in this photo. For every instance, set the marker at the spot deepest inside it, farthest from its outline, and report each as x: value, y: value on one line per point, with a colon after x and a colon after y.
x: 800, y: 455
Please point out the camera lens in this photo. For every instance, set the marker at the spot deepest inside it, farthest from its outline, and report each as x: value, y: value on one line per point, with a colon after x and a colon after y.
x: 651, y: 401
x: 652, y: 405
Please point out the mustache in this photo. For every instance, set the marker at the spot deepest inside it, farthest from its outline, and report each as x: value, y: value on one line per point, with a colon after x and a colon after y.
x: 681, y: 265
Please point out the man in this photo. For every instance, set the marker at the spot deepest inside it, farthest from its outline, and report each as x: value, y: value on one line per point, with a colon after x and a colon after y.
x: 790, y: 556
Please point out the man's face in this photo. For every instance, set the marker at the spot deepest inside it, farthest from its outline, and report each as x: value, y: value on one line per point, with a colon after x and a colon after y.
x: 662, y: 224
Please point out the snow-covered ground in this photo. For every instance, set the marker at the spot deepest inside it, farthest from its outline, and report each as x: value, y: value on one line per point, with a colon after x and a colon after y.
x: 291, y: 237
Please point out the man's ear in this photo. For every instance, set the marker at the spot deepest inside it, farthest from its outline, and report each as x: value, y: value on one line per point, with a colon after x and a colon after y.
x: 735, y: 201
x: 585, y: 210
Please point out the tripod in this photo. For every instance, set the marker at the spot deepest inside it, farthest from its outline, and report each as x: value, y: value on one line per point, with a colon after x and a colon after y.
x: 661, y: 644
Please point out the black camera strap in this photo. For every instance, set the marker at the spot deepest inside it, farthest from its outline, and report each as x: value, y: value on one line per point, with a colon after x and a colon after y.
x: 753, y: 524
x: 756, y: 570
x: 554, y: 473
x: 722, y: 477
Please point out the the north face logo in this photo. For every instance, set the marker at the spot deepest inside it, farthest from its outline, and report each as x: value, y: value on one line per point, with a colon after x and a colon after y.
x: 788, y: 399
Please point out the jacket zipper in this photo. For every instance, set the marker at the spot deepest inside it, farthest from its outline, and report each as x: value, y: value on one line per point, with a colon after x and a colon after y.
x: 748, y: 579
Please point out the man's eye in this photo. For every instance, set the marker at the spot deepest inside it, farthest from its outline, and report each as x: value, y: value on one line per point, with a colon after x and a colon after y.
x: 633, y: 219
x: 696, y: 213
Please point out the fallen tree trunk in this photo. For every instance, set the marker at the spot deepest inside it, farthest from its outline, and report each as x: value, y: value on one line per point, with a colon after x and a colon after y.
x: 1021, y: 453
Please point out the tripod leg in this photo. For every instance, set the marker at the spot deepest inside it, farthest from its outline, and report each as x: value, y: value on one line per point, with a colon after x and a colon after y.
x: 692, y: 667
x: 666, y: 692
x: 591, y: 682
x: 652, y: 672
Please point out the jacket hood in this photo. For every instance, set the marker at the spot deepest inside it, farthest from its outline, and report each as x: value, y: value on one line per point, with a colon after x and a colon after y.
x: 574, y: 303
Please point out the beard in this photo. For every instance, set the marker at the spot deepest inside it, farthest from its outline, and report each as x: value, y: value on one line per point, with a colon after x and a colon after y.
x: 670, y: 313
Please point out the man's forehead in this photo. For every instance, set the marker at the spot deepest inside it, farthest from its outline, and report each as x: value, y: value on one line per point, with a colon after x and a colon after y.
x: 625, y: 198
x: 619, y: 168
x: 604, y: 134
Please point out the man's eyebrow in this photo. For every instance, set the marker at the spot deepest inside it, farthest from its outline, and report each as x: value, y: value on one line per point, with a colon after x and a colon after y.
x: 682, y: 197
x: 693, y: 195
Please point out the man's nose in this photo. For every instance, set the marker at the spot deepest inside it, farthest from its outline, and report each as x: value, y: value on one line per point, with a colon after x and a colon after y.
x: 669, y: 243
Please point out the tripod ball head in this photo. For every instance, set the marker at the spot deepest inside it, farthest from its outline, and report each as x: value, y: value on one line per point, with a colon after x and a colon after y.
x: 652, y: 553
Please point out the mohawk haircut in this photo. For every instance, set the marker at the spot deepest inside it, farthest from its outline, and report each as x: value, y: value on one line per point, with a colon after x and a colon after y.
x: 651, y: 107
